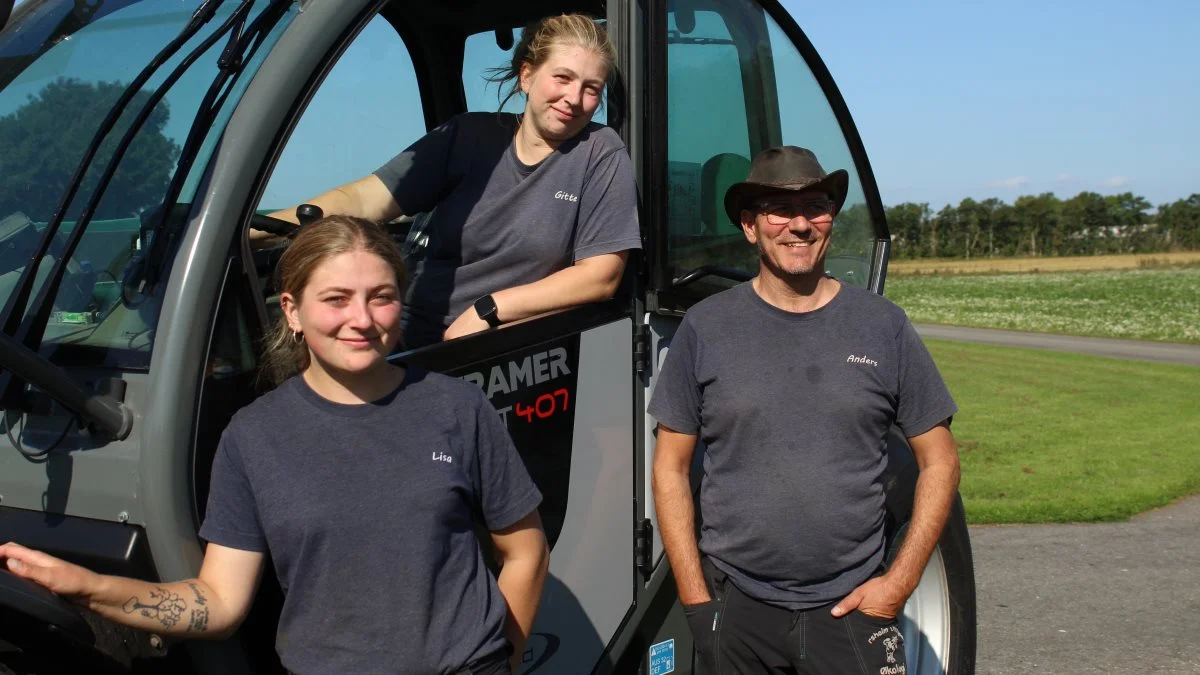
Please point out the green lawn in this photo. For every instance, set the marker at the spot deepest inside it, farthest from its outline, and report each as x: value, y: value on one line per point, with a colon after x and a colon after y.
x: 1149, y: 304
x: 1052, y: 437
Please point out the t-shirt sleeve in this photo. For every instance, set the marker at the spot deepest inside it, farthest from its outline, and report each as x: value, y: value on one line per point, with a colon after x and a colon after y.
x: 608, y: 219
x: 231, y: 518
x: 419, y: 176
x: 923, y: 399
x: 676, y: 400
x: 507, y: 493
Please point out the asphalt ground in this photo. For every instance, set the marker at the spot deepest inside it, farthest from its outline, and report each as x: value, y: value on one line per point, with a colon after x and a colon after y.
x: 1164, y: 352
x: 1088, y: 598
x: 1091, y: 598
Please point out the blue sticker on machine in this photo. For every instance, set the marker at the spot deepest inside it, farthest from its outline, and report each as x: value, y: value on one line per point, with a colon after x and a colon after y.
x: 662, y: 658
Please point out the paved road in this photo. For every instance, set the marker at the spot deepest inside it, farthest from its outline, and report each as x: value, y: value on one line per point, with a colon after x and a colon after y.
x: 1096, y: 598
x: 1122, y: 349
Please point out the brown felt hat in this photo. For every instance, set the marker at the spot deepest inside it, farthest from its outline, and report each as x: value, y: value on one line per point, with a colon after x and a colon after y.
x: 785, y: 169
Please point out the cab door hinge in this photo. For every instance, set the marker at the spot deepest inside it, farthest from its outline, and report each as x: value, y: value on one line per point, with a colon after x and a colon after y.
x: 643, y: 546
x: 641, y: 348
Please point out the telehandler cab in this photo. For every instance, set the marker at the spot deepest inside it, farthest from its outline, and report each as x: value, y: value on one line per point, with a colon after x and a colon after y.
x: 140, y: 140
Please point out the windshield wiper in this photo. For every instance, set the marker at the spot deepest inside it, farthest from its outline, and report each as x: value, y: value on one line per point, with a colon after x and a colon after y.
x: 231, y: 63
x: 19, y: 355
x: 14, y: 308
x: 144, y: 275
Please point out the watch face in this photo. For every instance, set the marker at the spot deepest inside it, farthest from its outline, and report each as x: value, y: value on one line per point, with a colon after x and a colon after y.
x: 485, y: 307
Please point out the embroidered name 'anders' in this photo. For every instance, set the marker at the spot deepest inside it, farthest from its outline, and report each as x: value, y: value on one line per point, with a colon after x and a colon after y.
x: 861, y: 359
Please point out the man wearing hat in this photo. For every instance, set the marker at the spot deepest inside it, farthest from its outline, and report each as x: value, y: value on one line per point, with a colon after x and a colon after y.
x: 793, y: 380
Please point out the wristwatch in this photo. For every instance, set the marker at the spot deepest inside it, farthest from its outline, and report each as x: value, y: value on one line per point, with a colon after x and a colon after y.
x: 485, y: 307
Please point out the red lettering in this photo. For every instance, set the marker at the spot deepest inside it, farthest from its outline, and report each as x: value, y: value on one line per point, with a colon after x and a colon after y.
x: 525, y: 411
x: 537, y: 405
x: 543, y: 406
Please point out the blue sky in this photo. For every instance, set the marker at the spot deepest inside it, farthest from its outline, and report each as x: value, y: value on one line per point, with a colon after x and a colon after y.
x: 1000, y: 99
x: 952, y: 99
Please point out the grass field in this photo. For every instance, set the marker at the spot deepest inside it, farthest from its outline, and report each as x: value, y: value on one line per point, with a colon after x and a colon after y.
x: 1052, y: 437
x: 1071, y: 264
x: 1150, y: 304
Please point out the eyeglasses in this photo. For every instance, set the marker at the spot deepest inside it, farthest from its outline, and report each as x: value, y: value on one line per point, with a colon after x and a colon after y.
x: 781, y: 211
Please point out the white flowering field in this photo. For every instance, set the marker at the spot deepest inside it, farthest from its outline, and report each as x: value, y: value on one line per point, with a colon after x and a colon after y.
x: 1148, y: 304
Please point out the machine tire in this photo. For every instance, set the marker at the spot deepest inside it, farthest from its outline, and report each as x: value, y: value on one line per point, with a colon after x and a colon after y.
x: 946, y: 595
x: 955, y: 548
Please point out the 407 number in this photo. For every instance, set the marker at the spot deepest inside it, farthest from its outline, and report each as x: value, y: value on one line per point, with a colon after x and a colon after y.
x: 543, y: 406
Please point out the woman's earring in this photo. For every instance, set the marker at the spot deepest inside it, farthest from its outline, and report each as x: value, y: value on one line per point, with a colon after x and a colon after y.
x: 297, y: 336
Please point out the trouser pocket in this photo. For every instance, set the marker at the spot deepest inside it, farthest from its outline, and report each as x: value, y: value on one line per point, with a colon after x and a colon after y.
x: 878, y: 643
x: 705, y: 620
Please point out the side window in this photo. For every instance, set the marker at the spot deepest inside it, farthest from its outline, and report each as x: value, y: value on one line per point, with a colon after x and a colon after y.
x: 483, y: 53
x: 768, y: 97
x: 366, y: 111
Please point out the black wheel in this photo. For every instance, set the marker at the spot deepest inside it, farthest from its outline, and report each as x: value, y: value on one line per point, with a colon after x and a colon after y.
x: 939, y: 620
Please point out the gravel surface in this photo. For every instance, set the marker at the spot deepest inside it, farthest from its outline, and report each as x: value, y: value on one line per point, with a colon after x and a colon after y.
x: 1091, y: 598
x: 1165, y: 352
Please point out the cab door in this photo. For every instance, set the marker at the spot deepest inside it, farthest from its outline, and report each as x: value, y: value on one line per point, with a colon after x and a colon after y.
x: 739, y: 78
x: 730, y: 79
x: 563, y: 384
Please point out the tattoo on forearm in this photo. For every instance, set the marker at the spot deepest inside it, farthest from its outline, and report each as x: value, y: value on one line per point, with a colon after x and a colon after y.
x: 199, y: 596
x: 164, y: 606
x: 199, y: 620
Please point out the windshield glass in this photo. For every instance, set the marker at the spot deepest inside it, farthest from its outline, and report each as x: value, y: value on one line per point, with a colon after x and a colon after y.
x: 63, y: 64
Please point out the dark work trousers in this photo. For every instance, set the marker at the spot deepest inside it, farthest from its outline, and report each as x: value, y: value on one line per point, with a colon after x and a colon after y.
x: 736, y: 634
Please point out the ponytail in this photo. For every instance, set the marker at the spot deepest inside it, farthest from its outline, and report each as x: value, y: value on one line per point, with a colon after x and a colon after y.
x: 539, y: 37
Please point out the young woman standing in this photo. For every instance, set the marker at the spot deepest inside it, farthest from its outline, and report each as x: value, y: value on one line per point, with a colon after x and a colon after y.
x: 364, y: 481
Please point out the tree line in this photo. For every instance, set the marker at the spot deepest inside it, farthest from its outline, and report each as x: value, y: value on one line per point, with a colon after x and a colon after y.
x: 1044, y: 225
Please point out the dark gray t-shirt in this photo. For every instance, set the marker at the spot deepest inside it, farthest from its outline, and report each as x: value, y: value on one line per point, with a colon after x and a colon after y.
x: 498, y: 223
x: 369, y: 514
x: 794, y: 411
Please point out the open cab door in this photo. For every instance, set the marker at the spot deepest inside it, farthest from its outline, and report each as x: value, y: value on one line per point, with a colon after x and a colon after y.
x: 729, y: 79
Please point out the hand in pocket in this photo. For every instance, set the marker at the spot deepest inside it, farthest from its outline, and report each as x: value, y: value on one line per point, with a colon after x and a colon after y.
x: 704, y: 619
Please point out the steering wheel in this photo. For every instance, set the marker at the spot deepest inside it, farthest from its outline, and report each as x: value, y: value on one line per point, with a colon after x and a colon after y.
x: 31, y: 602
x: 275, y: 226
x: 266, y: 259
x: 305, y: 213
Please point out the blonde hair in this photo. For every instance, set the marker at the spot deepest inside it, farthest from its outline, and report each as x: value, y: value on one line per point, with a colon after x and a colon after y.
x: 540, y: 37
x: 283, y: 354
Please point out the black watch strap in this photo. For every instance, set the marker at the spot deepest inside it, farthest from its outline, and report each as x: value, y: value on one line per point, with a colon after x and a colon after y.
x: 485, y: 307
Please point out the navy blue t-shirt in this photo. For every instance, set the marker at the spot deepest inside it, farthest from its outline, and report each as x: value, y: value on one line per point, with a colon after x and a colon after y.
x: 369, y: 514
x: 497, y: 222
x: 794, y: 411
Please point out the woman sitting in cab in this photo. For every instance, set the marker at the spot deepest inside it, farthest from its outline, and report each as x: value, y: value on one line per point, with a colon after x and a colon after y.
x: 527, y: 213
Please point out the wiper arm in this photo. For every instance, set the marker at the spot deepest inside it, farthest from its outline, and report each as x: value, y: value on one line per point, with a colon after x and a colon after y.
x: 102, y: 410
x: 14, y: 308
x: 231, y: 63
